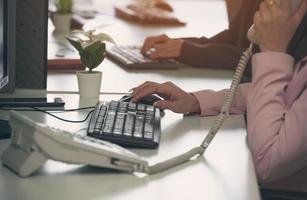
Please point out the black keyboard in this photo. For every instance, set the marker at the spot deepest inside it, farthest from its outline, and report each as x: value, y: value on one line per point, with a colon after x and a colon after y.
x: 126, y: 124
x: 132, y: 58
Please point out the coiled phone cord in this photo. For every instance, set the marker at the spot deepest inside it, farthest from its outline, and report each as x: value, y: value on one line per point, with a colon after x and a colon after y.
x: 200, y: 150
x: 229, y: 98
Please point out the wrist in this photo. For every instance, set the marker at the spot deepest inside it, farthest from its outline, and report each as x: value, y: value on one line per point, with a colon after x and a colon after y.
x: 180, y: 45
x: 280, y: 49
x: 195, y: 106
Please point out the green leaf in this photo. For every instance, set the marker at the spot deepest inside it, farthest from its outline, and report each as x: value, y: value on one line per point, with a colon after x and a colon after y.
x: 75, y: 44
x: 93, y: 55
x: 103, y: 37
x: 86, y: 34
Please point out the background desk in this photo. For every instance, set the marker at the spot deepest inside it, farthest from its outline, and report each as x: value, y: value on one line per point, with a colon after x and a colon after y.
x: 225, y: 172
x: 204, y: 18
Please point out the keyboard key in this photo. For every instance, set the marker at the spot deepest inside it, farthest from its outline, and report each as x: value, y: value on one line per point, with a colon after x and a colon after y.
x: 122, y: 107
x: 139, y: 126
x: 129, y: 124
x: 131, y: 107
x: 150, y: 108
x: 98, y: 126
x: 141, y: 107
x: 113, y: 106
x: 108, y: 126
x: 148, y: 129
x: 100, y: 118
x: 119, y: 123
x: 148, y: 132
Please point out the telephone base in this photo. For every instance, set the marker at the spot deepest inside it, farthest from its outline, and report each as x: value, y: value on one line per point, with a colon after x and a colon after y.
x: 21, y: 162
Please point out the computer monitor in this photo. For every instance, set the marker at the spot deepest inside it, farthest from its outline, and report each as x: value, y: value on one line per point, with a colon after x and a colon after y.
x: 7, y: 45
x: 23, y: 48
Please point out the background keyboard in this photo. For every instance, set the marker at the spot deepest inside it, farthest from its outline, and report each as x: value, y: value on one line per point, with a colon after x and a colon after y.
x: 126, y: 124
x: 132, y: 58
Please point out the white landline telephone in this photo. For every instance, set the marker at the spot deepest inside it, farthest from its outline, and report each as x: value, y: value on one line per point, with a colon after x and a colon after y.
x: 32, y: 143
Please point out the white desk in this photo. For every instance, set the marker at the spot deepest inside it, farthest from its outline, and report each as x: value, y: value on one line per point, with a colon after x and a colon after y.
x: 225, y: 172
x: 116, y: 80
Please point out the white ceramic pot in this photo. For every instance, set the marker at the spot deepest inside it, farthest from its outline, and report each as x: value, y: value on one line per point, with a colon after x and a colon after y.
x: 62, y: 22
x: 89, y: 83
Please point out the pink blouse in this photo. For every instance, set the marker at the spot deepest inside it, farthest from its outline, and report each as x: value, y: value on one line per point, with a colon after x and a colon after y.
x: 276, y: 106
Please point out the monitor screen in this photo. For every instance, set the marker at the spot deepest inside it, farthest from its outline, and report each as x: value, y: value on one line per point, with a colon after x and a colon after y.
x: 7, y: 45
x: 3, y: 64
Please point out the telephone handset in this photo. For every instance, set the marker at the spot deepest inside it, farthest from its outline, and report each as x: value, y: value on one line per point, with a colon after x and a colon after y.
x: 251, y: 32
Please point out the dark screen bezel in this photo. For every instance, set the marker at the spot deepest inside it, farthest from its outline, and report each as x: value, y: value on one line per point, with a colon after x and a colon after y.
x: 4, y: 44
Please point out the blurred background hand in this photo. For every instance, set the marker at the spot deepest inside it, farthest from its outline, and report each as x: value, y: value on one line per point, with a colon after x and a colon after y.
x: 162, y: 46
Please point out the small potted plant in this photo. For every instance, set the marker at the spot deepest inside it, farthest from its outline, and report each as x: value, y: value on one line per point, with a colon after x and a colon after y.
x: 92, y: 51
x: 62, y: 16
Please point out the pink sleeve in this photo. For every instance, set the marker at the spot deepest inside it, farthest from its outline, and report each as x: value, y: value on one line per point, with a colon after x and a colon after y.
x: 211, y: 102
x: 276, y: 133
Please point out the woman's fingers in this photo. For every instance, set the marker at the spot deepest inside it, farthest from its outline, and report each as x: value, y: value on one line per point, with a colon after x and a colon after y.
x: 150, y: 42
x: 169, y: 49
x: 300, y: 12
x: 143, y: 90
x: 265, y: 11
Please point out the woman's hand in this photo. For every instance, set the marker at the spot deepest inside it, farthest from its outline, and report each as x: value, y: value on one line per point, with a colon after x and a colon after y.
x: 276, y: 24
x: 175, y: 99
x: 163, y: 47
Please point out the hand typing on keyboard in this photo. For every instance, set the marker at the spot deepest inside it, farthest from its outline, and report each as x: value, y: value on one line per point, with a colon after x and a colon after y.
x: 175, y: 99
x: 132, y: 58
x: 157, y: 47
x: 148, y: 100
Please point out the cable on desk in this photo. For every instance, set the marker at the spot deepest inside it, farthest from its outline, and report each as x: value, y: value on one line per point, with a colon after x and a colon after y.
x: 59, y: 118
x: 50, y: 110
x: 70, y: 110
